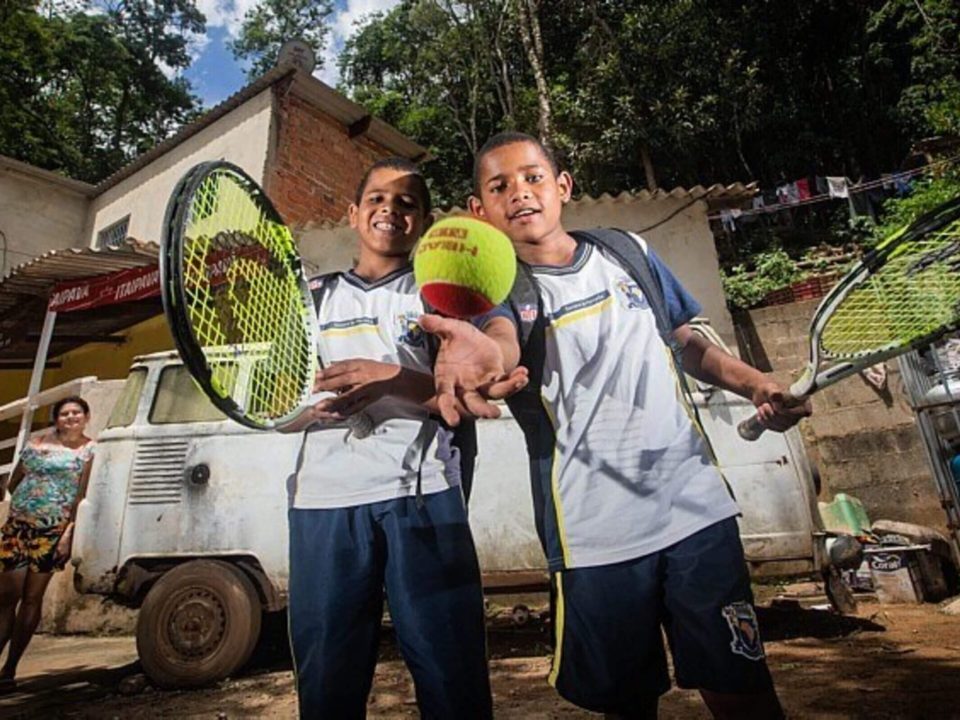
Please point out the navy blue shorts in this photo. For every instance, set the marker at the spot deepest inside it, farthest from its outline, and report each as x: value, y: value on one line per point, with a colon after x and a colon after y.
x: 340, y: 562
x: 609, y: 654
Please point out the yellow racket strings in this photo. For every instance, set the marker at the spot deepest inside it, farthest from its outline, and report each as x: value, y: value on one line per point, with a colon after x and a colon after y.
x: 913, y: 295
x: 244, y: 300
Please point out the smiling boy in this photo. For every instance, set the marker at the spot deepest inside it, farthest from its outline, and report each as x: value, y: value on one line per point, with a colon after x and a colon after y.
x: 638, y: 527
x: 386, y: 510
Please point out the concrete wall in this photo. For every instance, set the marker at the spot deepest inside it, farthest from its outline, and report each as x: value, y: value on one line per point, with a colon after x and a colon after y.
x: 241, y: 137
x: 38, y: 212
x: 864, y: 440
x: 685, y: 243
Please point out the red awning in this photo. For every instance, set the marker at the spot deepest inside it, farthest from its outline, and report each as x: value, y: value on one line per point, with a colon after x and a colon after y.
x: 100, y: 292
x: 117, y: 287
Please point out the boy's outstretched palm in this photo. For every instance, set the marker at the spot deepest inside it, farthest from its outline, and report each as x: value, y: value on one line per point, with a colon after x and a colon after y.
x: 469, y: 370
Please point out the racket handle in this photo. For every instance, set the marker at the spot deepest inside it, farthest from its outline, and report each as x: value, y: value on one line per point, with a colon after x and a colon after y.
x: 751, y: 429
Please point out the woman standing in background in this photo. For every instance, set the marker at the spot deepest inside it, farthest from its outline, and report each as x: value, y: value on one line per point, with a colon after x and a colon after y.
x: 46, y: 486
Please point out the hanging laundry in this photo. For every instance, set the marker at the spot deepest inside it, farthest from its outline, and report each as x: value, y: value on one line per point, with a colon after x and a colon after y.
x: 758, y: 202
x: 823, y: 187
x: 726, y: 218
x: 803, y: 189
x: 903, y: 183
x: 837, y: 187
x: 876, y: 375
x: 860, y: 205
x: 783, y: 194
x: 887, y: 181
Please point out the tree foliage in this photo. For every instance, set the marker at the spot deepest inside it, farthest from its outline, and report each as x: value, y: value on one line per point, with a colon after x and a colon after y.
x: 268, y: 25
x: 83, y: 92
x: 645, y: 93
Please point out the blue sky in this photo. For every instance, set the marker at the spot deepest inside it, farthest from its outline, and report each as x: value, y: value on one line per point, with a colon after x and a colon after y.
x: 215, y: 75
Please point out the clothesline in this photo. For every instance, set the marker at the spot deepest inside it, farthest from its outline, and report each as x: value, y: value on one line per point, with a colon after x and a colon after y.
x: 851, y: 189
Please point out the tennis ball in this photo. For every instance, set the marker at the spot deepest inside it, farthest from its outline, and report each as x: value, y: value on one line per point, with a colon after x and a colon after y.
x: 464, y: 266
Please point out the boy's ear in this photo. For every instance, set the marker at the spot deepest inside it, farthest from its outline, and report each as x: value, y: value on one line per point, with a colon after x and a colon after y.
x: 353, y: 213
x: 565, y: 186
x: 475, y: 206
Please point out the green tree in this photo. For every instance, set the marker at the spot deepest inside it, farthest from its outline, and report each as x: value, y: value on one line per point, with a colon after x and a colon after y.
x: 648, y: 93
x: 930, y: 102
x: 443, y: 73
x: 83, y: 92
x: 271, y: 23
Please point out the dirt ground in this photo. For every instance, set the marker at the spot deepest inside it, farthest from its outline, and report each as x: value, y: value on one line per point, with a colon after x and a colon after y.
x: 888, y: 661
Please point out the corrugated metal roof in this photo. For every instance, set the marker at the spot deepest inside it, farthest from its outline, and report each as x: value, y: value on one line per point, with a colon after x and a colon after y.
x: 717, y: 193
x: 35, y: 278
x: 25, y: 292
x: 716, y: 196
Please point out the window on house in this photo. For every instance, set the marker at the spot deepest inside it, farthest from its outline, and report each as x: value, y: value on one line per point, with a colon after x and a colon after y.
x: 113, y: 235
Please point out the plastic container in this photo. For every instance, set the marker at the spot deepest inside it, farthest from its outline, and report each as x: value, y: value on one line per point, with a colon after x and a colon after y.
x: 844, y: 514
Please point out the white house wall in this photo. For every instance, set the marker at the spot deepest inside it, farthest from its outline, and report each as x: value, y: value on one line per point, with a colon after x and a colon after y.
x: 684, y: 242
x: 37, y: 215
x: 242, y: 137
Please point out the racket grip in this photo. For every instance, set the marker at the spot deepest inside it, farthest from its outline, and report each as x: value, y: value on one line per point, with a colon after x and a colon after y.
x: 751, y: 429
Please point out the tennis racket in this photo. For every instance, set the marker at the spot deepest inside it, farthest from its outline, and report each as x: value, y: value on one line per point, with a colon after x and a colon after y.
x: 903, y: 295
x: 237, y: 301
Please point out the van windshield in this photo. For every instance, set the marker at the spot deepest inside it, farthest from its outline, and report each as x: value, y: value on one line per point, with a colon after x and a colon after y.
x: 125, y: 410
x: 179, y: 400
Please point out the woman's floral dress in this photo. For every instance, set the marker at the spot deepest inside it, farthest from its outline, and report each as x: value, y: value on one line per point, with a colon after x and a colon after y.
x: 41, y: 506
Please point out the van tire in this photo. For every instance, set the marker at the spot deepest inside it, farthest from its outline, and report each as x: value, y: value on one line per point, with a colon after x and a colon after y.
x: 198, y: 624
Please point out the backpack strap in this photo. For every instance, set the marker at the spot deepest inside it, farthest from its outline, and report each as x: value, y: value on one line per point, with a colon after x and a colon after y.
x: 318, y: 285
x: 630, y: 252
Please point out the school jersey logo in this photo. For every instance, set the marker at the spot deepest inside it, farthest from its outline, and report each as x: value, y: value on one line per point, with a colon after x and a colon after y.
x: 528, y: 312
x: 408, y: 330
x: 631, y: 296
x: 742, y: 620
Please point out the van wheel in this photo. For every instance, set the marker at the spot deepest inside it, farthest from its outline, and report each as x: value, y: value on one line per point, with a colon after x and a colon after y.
x: 198, y: 624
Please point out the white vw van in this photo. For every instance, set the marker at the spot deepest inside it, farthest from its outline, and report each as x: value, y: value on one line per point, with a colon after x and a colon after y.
x: 185, y: 516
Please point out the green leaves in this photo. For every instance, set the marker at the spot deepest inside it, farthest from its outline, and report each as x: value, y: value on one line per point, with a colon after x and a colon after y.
x: 271, y: 23
x: 85, y: 92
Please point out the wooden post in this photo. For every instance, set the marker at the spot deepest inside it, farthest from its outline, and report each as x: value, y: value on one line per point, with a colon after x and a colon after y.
x: 39, y: 363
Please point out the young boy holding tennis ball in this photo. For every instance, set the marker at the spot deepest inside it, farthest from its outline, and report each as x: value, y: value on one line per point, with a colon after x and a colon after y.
x: 387, y: 510
x: 637, y: 525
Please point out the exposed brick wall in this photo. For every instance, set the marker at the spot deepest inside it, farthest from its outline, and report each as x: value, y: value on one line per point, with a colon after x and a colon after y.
x: 864, y: 441
x: 316, y: 166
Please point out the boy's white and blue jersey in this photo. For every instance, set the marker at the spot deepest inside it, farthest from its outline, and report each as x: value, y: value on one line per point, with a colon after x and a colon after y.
x: 377, y: 321
x: 619, y: 468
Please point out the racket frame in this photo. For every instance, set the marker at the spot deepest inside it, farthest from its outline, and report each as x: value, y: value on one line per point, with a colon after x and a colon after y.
x: 173, y: 293
x: 815, y: 376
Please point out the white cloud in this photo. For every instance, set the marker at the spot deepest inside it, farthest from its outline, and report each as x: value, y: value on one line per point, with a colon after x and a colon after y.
x: 229, y: 15
x: 343, y: 24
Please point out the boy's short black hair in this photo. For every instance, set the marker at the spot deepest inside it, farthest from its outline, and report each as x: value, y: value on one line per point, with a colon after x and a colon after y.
x: 400, y: 164
x: 509, y: 137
